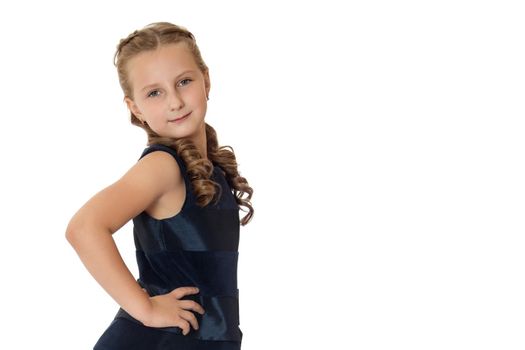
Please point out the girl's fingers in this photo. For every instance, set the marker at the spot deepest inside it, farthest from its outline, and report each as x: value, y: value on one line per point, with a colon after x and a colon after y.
x: 191, y: 305
x: 182, y: 291
x: 190, y: 317
x: 185, y: 326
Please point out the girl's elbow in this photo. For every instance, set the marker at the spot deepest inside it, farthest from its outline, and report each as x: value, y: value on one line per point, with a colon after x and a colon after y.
x: 71, y: 235
x: 73, y: 232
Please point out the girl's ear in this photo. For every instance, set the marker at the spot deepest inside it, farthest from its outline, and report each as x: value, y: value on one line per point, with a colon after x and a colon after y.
x: 133, y: 107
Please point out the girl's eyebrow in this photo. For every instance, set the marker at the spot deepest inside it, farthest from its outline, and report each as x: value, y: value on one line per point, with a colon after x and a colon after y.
x: 177, y: 77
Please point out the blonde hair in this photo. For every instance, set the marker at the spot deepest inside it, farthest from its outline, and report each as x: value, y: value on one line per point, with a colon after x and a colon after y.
x: 199, y: 169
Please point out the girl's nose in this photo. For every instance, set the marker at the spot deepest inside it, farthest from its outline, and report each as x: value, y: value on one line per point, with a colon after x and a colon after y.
x: 175, y: 101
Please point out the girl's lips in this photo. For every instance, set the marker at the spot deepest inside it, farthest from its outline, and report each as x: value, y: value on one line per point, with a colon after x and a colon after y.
x: 181, y: 118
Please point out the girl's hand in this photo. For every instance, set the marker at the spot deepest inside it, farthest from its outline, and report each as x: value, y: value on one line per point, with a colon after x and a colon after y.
x: 168, y: 311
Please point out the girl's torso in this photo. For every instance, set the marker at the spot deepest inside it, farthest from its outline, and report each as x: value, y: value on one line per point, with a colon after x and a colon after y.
x: 180, y: 244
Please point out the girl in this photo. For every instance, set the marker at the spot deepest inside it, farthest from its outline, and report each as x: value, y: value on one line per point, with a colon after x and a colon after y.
x: 179, y: 196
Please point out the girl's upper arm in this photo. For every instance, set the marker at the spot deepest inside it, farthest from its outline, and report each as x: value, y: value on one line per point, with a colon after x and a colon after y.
x: 153, y: 175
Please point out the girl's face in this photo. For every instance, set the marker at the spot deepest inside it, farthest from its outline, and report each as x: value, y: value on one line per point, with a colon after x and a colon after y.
x: 167, y: 84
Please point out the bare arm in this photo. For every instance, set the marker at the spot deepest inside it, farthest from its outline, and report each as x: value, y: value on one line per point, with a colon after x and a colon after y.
x: 90, y: 229
x: 97, y: 250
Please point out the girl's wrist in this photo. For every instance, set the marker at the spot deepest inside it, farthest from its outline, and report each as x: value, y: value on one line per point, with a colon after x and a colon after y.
x: 143, y: 314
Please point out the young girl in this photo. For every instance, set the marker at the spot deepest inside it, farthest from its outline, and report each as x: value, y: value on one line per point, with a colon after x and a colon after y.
x: 183, y: 195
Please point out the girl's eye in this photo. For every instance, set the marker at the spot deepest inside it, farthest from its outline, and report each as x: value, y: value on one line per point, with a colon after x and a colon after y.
x: 151, y: 94
x: 185, y: 80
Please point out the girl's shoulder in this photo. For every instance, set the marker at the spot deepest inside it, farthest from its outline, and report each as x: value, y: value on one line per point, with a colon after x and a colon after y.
x: 164, y: 149
x: 148, y: 180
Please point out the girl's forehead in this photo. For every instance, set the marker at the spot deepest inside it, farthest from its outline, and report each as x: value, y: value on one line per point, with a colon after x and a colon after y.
x: 170, y: 53
x: 168, y: 57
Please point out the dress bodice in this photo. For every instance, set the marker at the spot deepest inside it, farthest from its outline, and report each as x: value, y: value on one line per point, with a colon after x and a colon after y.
x: 196, y: 247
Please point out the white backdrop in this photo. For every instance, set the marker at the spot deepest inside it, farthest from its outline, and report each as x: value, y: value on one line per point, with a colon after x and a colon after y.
x: 383, y: 140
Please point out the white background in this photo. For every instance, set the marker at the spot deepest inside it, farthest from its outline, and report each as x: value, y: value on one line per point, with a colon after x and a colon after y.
x: 384, y: 141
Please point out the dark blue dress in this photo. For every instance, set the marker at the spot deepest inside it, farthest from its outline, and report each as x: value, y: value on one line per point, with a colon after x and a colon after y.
x: 196, y: 247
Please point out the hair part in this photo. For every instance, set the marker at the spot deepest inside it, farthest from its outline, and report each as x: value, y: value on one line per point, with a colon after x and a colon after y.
x: 199, y: 169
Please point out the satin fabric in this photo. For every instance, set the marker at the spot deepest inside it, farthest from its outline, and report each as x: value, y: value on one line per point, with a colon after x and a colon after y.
x: 196, y: 247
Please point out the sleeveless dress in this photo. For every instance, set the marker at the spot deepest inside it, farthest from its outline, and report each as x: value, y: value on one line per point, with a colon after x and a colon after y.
x: 196, y: 247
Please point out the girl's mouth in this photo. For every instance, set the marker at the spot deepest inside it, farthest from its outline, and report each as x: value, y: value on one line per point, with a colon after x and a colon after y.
x: 181, y: 118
